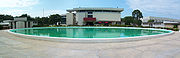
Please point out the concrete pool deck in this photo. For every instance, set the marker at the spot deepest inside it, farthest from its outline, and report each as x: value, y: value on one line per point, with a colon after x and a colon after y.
x: 12, y: 46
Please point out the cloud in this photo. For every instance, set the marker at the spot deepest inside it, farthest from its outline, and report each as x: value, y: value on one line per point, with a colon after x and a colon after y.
x: 160, y: 7
x: 14, y: 12
x: 18, y: 12
x: 18, y: 3
x: 48, y: 13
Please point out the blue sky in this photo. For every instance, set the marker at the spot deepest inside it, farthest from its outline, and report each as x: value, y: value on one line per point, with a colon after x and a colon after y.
x: 158, y: 8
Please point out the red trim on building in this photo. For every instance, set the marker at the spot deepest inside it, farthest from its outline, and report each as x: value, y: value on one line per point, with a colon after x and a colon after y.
x: 89, y: 19
x: 106, y: 22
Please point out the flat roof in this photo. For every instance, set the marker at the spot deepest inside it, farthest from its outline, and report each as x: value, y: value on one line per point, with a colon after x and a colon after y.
x: 107, y: 9
x: 4, y: 23
x: 165, y: 19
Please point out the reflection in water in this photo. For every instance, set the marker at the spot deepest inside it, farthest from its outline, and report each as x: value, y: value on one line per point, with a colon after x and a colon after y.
x: 89, y: 32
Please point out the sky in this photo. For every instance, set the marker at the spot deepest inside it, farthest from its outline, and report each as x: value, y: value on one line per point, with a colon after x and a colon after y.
x: 34, y: 8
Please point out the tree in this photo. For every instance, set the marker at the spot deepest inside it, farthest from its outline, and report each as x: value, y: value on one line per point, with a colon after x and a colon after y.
x: 29, y: 18
x: 42, y: 21
x: 137, y: 15
x: 6, y: 17
x: 151, y: 23
x: 54, y: 19
x: 128, y: 20
x: 38, y: 20
x: 1, y: 18
x: 45, y: 21
x: 137, y: 22
x: 1, y: 27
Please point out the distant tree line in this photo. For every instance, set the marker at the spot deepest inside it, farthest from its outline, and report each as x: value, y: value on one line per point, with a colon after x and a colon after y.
x: 50, y: 20
x: 6, y: 17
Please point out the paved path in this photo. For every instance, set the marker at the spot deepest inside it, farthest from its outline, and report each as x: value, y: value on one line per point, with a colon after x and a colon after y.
x: 12, y: 46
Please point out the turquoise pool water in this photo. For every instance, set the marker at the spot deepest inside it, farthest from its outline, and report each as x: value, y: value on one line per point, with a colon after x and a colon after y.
x: 89, y: 32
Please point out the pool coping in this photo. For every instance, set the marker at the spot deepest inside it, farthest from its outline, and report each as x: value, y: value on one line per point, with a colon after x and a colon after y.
x: 93, y: 40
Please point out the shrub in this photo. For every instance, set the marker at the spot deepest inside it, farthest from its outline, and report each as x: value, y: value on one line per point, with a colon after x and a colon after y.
x: 129, y: 26
x: 1, y: 27
x: 175, y: 29
x: 123, y: 25
x: 168, y: 28
x: 40, y: 26
x: 158, y: 27
x: 175, y: 26
x: 73, y: 25
x: 146, y: 27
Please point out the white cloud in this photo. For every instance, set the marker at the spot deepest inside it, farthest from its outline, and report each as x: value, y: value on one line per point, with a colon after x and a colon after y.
x: 14, y: 12
x: 17, y: 3
x: 18, y: 12
x: 160, y: 7
x: 48, y: 13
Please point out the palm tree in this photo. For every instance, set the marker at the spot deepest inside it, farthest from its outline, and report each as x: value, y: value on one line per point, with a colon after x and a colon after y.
x: 137, y: 15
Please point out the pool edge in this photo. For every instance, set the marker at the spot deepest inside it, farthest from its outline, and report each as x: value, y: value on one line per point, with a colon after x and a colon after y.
x: 94, y: 40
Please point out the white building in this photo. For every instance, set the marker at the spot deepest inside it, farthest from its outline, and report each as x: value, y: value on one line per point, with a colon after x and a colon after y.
x: 22, y: 22
x: 91, y: 16
x: 160, y: 22
x: 5, y: 22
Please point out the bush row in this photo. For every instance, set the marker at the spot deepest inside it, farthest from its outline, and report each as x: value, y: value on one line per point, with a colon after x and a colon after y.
x: 1, y: 27
x: 40, y: 25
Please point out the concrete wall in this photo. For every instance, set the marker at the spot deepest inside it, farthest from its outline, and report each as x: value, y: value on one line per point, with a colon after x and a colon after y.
x: 169, y: 26
x: 178, y: 26
x: 155, y: 25
x: 80, y: 16
x: 31, y: 25
x: 159, y: 25
x: 20, y: 19
x: 20, y: 24
x: 100, y: 16
x: 69, y: 18
x: 107, y: 16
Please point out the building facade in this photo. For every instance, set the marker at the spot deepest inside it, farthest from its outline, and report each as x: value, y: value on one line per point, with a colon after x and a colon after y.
x: 160, y: 22
x: 92, y: 16
x: 22, y: 22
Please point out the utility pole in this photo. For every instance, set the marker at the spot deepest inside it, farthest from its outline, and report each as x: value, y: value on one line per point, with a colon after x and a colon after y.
x: 117, y: 3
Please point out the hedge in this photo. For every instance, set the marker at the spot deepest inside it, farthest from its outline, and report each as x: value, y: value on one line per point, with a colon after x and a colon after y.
x: 1, y: 27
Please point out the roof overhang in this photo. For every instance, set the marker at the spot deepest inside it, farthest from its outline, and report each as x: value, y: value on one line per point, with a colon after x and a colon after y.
x: 105, y: 9
x: 4, y: 23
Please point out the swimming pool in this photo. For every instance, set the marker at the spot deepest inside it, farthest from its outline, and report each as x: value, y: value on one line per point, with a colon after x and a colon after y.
x: 90, y: 32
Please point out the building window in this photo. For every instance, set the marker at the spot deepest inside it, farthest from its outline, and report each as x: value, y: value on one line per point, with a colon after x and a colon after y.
x: 90, y: 12
x: 90, y: 16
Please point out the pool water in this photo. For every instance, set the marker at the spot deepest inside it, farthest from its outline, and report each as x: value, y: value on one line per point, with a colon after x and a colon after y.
x: 89, y: 32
